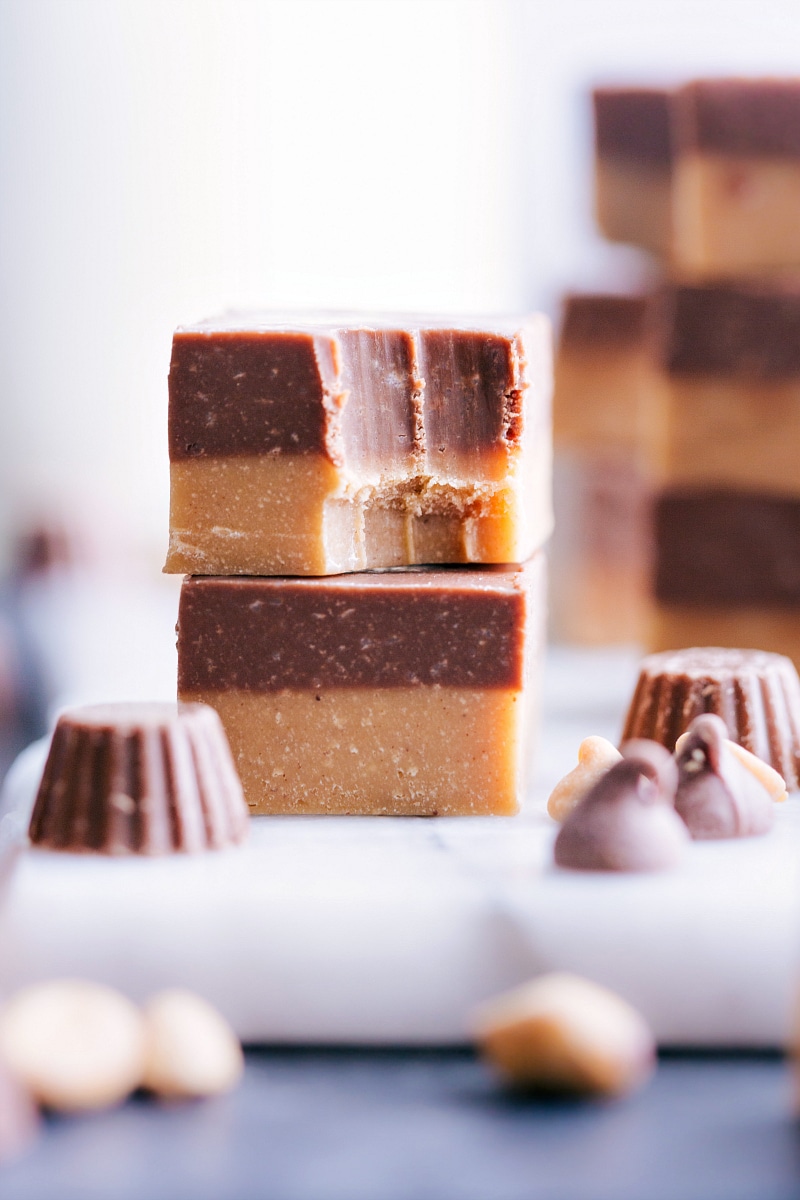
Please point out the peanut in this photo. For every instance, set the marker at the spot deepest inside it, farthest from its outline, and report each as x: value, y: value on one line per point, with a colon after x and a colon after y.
x: 596, y: 755
x: 563, y: 1033
x: 191, y: 1050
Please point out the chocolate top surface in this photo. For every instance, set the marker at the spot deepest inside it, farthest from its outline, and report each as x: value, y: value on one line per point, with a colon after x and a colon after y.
x: 127, y: 717
x: 599, y: 320
x: 747, y: 329
x: 713, y: 662
x: 740, y: 117
x: 633, y: 123
x: 457, y: 628
x: 376, y: 390
x: 727, y: 547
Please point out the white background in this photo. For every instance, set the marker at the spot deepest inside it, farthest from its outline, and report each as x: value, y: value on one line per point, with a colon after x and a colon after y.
x: 161, y: 160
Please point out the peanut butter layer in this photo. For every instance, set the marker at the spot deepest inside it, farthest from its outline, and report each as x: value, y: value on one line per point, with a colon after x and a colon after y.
x: 633, y: 203
x: 735, y: 215
x: 419, y: 751
x: 727, y: 548
x: 348, y: 436
x: 391, y: 692
x: 288, y: 515
x: 732, y: 433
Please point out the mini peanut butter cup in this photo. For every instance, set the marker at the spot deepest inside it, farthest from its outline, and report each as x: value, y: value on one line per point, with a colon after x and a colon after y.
x: 756, y: 694
x: 139, y: 779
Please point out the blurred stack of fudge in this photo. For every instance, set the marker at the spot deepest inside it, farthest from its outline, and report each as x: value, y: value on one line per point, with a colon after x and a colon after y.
x: 361, y: 506
x: 677, y: 410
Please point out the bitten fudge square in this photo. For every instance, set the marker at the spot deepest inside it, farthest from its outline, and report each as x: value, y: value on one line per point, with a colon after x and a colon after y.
x: 321, y: 447
x: 387, y: 693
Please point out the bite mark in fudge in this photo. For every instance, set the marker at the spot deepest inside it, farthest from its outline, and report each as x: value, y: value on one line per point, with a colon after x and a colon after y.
x: 390, y: 692
x: 339, y: 446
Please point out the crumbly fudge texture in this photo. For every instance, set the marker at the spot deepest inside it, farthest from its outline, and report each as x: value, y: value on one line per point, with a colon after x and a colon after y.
x: 396, y: 693
x: 335, y: 445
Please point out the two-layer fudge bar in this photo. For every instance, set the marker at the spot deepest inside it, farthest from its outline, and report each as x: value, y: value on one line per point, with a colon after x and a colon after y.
x: 606, y: 417
x: 633, y: 166
x: 389, y: 692
x: 727, y: 512
x: 736, y: 179
x: 319, y: 447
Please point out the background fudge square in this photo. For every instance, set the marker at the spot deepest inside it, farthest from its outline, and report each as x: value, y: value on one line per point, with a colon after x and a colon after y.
x: 389, y: 693
x: 335, y: 445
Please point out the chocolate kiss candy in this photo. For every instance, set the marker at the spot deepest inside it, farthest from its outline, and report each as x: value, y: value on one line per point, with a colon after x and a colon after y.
x: 656, y: 762
x: 718, y: 797
x: 627, y: 821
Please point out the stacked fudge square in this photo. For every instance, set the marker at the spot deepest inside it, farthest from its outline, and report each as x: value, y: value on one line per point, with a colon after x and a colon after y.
x: 677, y: 410
x: 361, y: 506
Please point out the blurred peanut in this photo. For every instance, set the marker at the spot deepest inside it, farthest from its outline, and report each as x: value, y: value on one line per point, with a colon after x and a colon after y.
x: 564, y: 1033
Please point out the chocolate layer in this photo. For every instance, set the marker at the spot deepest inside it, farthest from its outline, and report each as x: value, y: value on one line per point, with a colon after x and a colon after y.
x: 603, y: 321
x: 474, y: 390
x: 746, y: 117
x: 382, y: 416
x: 633, y: 124
x: 742, y: 329
x: 719, y: 547
x: 381, y: 392
x: 456, y: 628
x: 248, y: 392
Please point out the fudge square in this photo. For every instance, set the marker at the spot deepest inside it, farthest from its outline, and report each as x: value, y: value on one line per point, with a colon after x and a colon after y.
x: 737, y: 176
x: 336, y: 445
x: 388, y: 693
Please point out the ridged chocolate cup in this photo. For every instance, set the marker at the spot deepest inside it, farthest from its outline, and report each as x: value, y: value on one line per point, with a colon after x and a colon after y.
x: 139, y: 779
x: 756, y: 694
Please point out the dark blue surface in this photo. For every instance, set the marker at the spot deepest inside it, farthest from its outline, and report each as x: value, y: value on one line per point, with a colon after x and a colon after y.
x: 393, y: 1125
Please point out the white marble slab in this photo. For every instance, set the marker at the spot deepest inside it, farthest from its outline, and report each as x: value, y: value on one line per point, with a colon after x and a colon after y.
x: 389, y: 930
